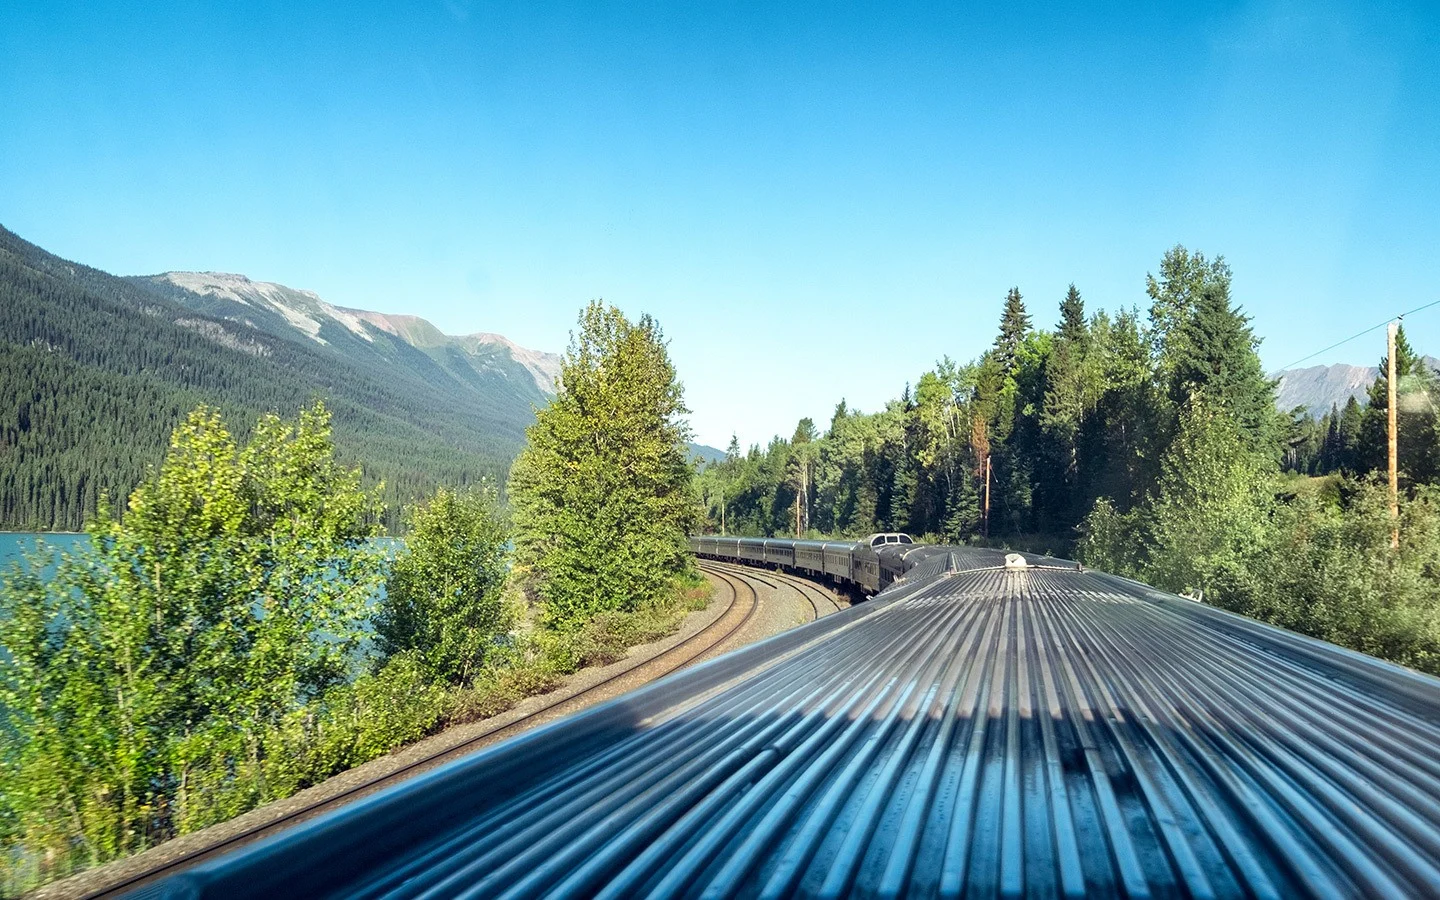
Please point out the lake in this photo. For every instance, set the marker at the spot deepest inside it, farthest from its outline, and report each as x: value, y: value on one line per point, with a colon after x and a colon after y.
x: 14, y: 545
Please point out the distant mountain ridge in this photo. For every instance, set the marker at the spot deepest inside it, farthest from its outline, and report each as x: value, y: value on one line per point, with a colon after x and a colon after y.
x: 1317, y: 388
x: 96, y: 370
x: 287, y: 312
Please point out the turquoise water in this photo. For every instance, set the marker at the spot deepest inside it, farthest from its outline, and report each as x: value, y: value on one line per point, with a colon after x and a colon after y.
x: 14, y: 545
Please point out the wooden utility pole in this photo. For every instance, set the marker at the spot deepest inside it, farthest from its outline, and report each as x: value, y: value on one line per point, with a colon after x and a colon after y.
x: 1394, y: 446
x: 985, y: 528
x: 722, y: 510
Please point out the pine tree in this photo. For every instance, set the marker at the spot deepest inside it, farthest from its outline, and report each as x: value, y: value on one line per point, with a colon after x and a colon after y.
x: 1214, y: 360
x: 1062, y: 416
x: 1073, y: 329
x: 1348, y: 445
x: 1330, y: 451
x: 1014, y: 326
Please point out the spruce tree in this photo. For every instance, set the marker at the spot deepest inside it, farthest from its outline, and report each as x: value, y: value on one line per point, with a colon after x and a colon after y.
x: 1061, y: 417
x: 1072, y: 319
x: 1214, y: 360
x: 1348, y: 445
x: 1014, y: 326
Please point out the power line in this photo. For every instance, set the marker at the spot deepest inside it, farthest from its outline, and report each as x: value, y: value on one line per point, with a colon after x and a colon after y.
x: 1359, y: 334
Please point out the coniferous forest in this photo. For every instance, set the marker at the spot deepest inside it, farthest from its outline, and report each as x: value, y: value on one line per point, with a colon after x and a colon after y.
x: 96, y: 371
x: 1144, y: 443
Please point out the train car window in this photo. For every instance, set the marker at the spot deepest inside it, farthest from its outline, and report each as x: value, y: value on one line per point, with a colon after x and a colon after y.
x: 905, y: 539
x: 892, y: 539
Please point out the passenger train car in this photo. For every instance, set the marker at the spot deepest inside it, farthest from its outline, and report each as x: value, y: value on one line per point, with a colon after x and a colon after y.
x: 872, y: 564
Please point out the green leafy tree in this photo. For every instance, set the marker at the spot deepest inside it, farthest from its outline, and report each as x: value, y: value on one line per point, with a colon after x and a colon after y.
x: 1174, y: 295
x: 1209, y: 522
x: 140, y: 682
x: 602, y: 493
x: 443, y: 595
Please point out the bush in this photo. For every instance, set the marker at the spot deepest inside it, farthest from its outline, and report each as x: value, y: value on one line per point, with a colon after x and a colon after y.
x: 143, y: 683
x: 443, y: 599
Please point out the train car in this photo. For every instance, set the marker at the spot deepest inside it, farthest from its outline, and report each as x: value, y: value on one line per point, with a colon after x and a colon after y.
x: 839, y: 560
x: 874, y: 563
x: 752, y: 549
x: 780, y: 552
x: 810, y: 557
x: 879, y: 559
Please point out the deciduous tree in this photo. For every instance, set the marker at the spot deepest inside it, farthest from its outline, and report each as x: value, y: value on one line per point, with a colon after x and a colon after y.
x: 602, y: 493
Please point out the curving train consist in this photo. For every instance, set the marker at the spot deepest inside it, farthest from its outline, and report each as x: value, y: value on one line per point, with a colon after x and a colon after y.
x: 873, y: 564
x: 992, y: 724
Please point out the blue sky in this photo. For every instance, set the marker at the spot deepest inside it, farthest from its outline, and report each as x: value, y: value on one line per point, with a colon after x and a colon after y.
x: 816, y: 200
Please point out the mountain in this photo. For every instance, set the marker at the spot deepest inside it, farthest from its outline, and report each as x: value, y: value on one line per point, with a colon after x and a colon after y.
x: 1318, y: 387
x: 705, y: 453
x: 96, y: 370
x: 360, y: 336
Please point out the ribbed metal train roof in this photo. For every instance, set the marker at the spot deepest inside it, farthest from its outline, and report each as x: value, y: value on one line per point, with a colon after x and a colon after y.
x: 1044, y: 732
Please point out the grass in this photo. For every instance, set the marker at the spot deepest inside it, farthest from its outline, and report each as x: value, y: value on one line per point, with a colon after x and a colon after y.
x: 539, y: 660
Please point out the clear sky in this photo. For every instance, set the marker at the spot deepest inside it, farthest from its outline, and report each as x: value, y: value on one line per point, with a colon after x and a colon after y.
x: 816, y: 200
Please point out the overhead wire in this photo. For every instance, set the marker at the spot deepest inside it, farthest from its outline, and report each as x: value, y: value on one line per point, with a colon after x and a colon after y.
x: 1359, y: 334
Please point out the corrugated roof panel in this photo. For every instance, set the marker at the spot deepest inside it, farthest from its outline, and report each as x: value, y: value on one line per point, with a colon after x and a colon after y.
x: 989, y: 733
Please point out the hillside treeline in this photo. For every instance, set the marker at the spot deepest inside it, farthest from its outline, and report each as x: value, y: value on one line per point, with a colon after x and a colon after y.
x: 1147, y: 444
x: 95, y: 372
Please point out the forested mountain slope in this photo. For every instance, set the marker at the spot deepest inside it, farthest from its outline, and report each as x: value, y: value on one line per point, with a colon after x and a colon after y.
x: 96, y: 370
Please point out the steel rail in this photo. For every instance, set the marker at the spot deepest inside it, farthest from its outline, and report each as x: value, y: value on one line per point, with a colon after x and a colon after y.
x: 821, y: 603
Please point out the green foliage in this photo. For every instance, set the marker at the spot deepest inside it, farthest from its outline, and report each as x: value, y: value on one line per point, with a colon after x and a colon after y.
x: 1213, y: 359
x: 142, y: 682
x: 443, y: 597
x: 602, y: 495
x: 1330, y: 573
x: 1208, y: 521
x: 1174, y: 295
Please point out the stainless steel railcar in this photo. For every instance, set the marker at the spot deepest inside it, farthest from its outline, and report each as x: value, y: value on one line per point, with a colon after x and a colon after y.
x: 873, y: 564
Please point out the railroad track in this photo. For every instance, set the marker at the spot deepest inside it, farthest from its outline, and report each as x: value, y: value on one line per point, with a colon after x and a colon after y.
x: 822, y: 602
x: 740, y: 607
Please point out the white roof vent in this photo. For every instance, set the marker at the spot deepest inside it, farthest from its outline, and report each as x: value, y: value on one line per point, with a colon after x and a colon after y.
x: 1015, y: 561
